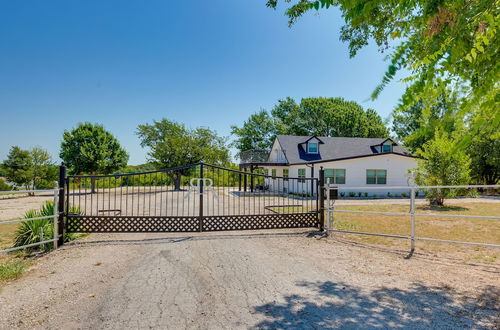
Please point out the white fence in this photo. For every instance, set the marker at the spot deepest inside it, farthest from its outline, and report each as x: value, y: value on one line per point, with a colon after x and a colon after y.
x: 55, y: 217
x: 330, y: 208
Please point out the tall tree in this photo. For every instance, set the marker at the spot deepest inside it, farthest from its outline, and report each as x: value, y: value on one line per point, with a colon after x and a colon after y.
x: 443, y: 163
x: 172, y: 144
x: 257, y: 132
x: 313, y: 116
x: 17, y: 167
x: 484, y: 147
x: 416, y: 125
x: 91, y: 149
x: 30, y: 168
x: 42, y: 167
x: 455, y: 41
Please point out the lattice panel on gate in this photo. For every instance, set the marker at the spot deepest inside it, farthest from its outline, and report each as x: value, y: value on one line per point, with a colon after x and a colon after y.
x: 103, y: 224
x: 262, y: 221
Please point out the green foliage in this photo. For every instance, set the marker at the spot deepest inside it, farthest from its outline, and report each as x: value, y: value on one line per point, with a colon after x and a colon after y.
x: 18, y: 167
x: 172, y: 144
x: 416, y: 124
x: 257, y: 132
x: 12, y: 269
x: 452, y: 44
x: 313, y: 116
x: 443, y: 163
x: 4, y: 186
x: 90, y: 149
x: 30, y: 232
x: 484, y: 147
x: 30, y: 168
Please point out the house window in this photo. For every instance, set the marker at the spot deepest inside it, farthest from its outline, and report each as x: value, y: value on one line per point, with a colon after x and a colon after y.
x: 376, y: 176
x: 387, y: 148
x: 273, y: 173
x: 302, y: 174
x: 285, y: 174
x: 312, y: 148
x: 335, y: 176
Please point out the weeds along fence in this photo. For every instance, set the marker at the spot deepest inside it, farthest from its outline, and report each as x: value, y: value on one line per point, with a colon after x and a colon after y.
x: 54, y: 217
x: 477, y: 207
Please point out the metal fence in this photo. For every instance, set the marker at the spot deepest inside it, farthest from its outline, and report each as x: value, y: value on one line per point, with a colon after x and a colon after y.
x: 55, y: 218
x: 331, y: 210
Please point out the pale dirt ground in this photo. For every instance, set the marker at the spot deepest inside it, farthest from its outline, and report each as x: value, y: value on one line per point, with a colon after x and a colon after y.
x: 238, y: 280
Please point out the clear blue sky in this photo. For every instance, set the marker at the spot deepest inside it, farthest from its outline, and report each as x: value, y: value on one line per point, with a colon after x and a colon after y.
x: 204, y: 63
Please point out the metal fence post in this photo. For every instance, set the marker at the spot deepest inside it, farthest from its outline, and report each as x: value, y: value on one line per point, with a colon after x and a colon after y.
x: 200, y: 183
x: 321, y: 198
x: 56, y: 214
x: 62, y: 179
x: 412, y: 216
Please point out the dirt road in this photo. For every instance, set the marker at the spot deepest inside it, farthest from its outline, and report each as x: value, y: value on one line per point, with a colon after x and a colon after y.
x: 265, y: 279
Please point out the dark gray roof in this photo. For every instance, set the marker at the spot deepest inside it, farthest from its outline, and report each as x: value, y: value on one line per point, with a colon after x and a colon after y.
x: 333, y: 148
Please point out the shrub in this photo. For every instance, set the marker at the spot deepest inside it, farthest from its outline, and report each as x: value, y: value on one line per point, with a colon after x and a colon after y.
x: 30, y: 232
x: 342, y: 194
x: 374, y: 195
x: 4, y: 186
x: 351, y: 194
x: 359, y: 194
x: 404, y: 195
x: 389, y: 195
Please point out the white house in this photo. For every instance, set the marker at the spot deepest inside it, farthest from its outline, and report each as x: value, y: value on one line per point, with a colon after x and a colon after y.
x: 348, y: 162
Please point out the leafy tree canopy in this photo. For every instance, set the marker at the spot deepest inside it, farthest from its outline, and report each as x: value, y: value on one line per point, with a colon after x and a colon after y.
x: 454, y: 42
x: 91, y: 149
x: 313, y: 116
x: 172, y: 144
x: 442, y: 164
x: 30, y: 168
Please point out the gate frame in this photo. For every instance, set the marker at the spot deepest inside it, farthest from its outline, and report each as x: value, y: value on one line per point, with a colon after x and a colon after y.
x: 304, y: 217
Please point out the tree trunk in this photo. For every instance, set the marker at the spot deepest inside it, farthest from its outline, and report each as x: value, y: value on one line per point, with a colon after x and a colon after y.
x: 176, y: 179
x: 92, y: 185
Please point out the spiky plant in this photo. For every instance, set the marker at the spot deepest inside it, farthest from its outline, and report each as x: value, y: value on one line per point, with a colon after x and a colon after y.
x: 30, y: 232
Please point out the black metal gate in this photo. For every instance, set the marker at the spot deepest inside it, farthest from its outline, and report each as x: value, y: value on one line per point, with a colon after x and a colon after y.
x: 192, y: 198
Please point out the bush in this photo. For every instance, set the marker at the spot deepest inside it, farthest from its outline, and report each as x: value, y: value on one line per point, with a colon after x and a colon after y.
x: 342, y: 194
x: 351, y: 194
x: 30, y: 232
x: 366, y: 194
x: 374, y: 195
x: 4, y: 186
x: 389, y: 195
x: 360, y: 193
x: 404, y: 195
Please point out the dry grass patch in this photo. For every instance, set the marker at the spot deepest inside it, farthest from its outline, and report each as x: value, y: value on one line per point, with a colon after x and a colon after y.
x: 458, y: 229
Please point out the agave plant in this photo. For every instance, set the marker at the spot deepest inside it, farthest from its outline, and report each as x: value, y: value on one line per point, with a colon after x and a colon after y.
x: 34, y: 231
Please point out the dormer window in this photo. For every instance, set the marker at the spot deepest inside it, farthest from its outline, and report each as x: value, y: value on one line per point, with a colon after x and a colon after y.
x: 387, y: 147
x: 312, y: 148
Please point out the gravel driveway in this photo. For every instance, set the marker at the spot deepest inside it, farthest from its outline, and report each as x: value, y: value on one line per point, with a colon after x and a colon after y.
x: 258, y: 279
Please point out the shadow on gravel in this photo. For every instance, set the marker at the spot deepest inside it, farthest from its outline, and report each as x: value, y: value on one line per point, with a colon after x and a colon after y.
x: 337, y: 305
x: 202, y: 237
